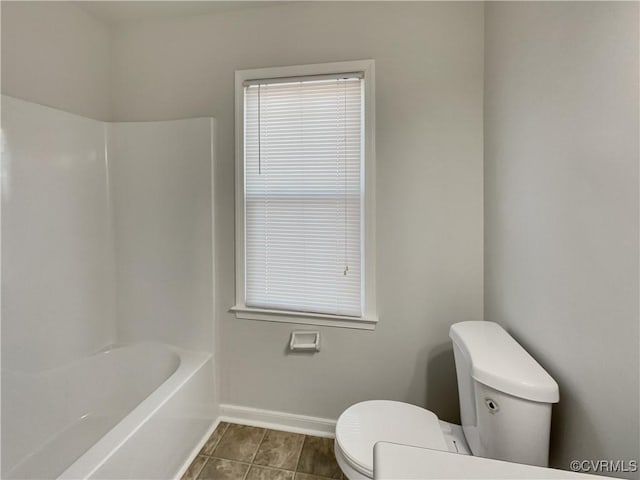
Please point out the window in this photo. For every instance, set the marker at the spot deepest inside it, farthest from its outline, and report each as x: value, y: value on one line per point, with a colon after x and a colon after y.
x: 304, y: 194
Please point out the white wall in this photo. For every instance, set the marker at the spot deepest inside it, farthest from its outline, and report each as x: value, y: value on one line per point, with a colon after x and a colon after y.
x: 55, y: 54
x: 160, y: 174
x: 57, y: 255
x: 561, y: 209
x: 429, y: 59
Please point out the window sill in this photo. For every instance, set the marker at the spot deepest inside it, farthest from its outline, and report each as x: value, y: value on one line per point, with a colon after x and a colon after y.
x: 304, y: 318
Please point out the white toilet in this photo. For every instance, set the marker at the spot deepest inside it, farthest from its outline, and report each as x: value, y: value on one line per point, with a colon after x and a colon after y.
x: 505, y: 408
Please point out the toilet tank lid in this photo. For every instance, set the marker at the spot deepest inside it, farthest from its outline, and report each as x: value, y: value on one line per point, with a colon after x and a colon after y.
x: 498, y: 361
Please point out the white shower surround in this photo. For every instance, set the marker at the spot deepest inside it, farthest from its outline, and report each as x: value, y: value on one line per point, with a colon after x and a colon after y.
x: 111, y: 410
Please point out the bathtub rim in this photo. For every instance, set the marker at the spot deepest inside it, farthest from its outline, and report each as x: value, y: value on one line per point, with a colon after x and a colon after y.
x: 100, y: 452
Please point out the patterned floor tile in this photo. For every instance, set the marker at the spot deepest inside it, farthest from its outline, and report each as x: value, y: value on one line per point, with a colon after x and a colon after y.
x: 214, y: 439
x: 265, y: 473
x: 221, y: 469
x: 317, y: 458
x: 195, y: 468
x: 280, y: 450
x: 239, y: 442
x: 239, y: 452
x: 308, y: 476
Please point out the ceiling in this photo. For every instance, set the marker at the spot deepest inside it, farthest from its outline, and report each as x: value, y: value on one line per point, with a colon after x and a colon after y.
x: 122, y: 11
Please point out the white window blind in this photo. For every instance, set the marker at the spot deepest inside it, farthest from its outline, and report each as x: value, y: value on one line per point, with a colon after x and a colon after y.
x: 303, y: 145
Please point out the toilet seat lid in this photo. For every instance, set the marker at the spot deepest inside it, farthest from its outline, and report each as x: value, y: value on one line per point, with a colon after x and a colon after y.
x: 364, y: 424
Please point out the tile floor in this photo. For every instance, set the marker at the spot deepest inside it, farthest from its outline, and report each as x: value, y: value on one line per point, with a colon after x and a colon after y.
x: 239, y: 452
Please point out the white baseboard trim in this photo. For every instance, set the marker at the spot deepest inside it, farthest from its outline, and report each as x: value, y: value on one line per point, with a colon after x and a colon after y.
x: 290, y: 422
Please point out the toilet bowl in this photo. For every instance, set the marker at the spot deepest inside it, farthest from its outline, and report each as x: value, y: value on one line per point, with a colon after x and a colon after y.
x: 364, y: 424
x: 505, y: 407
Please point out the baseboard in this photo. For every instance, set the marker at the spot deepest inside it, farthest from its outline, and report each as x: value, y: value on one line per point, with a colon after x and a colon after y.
x: 290, y: 422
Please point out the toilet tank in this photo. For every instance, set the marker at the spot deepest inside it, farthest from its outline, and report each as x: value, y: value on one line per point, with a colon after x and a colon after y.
x: 505, y: 395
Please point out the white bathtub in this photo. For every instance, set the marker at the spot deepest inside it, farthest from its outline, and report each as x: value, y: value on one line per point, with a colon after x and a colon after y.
x: 135, y: 411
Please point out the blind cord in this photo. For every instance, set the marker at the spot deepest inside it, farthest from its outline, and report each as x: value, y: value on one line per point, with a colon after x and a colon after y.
x: 259, y: 133
x: 346, y: 251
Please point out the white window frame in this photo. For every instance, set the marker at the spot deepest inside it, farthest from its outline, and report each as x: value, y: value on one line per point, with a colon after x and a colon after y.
x: 369, y: 318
